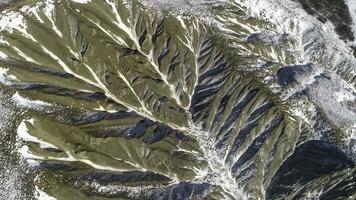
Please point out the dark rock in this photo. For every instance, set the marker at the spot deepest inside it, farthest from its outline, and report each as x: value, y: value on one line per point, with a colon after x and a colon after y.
x: 310, y: 161
x: 289, y: 74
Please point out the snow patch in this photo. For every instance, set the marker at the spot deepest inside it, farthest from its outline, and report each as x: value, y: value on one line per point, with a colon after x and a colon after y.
x: 12, y: 20
x: 3, y: 55
x: 26, y: 153
x: 25, y: 102
x: 344, y: 95
x: 352, y: 9
x: 101, y: 108
x: 23, y: 133
x: 312, y: 35
x: 41, y: 195
x: 81, y: 1
x: 353, y: 132
x: 3, y: 75
x: 300, y: 114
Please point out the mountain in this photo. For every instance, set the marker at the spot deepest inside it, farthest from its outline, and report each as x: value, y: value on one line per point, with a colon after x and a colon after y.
x: 122, y: 99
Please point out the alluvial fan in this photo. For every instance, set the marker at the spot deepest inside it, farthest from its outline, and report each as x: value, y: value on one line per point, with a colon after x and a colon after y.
x: 128, y: 99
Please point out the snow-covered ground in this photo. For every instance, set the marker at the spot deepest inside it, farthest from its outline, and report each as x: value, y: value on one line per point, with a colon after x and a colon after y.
x: 352, y: 10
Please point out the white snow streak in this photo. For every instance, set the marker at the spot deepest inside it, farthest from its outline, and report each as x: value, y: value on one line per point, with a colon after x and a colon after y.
x: 25, y: 102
